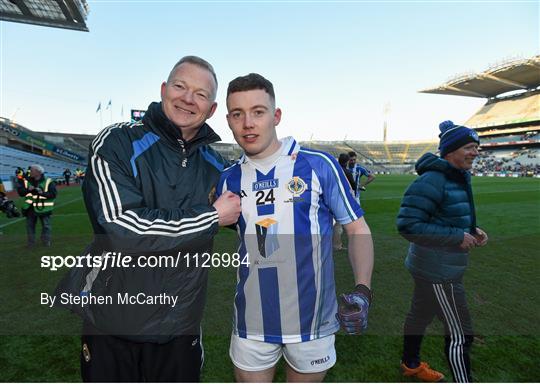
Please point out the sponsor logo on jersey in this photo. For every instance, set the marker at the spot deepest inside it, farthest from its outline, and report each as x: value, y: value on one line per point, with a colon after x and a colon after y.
x: 267, y: 236
x: 265, y: 184
x: 295, y: 200
x: 296, y: 186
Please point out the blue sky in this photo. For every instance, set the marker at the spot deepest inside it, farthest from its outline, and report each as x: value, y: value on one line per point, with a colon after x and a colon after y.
x: 334, y: 65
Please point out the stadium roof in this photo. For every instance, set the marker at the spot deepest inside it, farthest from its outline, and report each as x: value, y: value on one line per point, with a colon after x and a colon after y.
x: 68, y: 14
x: 510, y: 76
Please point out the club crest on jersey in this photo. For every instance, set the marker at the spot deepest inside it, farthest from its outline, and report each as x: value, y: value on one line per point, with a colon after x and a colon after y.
x: 296, y: 186
x: 265, y: 184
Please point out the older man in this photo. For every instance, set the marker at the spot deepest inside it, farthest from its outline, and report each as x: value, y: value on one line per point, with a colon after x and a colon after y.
x: 40, y: 193
x: 437, y: 216
x: 148, y: 192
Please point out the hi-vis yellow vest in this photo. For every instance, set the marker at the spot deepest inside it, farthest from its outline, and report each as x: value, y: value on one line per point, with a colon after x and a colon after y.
x: 41, y: 204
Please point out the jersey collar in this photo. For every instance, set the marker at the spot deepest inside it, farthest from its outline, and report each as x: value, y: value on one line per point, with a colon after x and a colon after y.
x: 289, y: 146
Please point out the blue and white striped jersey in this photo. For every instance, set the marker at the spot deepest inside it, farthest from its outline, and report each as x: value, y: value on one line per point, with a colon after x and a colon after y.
x: 287, y: 293
x: 358, y: 171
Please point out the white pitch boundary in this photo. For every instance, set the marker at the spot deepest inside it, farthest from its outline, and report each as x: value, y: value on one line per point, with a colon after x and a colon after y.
x: 11, y: 222
x: 363, y: 199
x: 474, y: 194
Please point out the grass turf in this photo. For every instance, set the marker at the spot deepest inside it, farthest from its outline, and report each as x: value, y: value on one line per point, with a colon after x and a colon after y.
x: 40, y: 344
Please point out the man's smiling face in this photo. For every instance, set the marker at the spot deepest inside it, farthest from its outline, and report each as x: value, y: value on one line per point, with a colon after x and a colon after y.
x: 188, y: 98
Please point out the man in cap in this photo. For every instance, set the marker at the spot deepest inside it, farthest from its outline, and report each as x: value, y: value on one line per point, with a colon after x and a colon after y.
x: 437, y: 216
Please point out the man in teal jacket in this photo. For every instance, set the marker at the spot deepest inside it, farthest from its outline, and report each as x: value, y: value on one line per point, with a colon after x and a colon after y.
x: 437, y: 216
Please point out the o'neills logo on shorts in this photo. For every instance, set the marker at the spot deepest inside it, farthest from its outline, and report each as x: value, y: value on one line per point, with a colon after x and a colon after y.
x: 320, y: 361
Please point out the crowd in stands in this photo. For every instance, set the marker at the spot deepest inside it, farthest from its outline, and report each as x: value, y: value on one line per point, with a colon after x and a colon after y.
x: 529, y: 135
x: 511, y: 162
x: 21, y: 174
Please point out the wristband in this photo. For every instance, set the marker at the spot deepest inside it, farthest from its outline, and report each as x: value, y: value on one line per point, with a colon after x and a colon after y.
x: 363, y: 289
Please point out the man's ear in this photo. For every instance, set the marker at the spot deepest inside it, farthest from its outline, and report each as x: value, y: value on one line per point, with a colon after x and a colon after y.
x: 212, y: 110
x: 163, y: 90
x: 277, y: 116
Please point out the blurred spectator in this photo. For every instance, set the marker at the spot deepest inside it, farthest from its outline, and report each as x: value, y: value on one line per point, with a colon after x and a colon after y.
x: 40, y: 193
x: 67, y: 175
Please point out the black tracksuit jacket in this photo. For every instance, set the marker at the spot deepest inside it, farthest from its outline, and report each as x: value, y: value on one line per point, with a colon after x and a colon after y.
x: 147, y: 192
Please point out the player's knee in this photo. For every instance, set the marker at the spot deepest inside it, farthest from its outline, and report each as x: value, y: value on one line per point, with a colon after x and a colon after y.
x: 242, y: 376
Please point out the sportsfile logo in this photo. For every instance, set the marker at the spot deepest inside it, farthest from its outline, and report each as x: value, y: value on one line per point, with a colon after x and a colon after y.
x: 320, y: 361
x: 118, y: 260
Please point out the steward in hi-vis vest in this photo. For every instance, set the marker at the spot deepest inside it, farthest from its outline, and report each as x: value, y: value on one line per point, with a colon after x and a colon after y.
x: 40, y: 193
x: 19, y: 173
x: 40, y: 202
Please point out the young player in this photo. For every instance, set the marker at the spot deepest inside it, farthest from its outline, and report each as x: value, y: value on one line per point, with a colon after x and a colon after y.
x: 285, y: 301
x: 358, y: 171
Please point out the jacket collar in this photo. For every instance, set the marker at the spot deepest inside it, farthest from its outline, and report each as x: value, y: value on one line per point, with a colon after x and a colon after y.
x: 431, y: 162
x: 161, y: 125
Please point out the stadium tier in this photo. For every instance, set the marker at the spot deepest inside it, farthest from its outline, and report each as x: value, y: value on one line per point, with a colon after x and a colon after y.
x: 393, y: 157
x: 68, y: 14
x: 12, y: 158
x: 507, y: 76
x: 59, y: 147
x: 76, y: 142
x: 512, y: 110
x: 509, y: 123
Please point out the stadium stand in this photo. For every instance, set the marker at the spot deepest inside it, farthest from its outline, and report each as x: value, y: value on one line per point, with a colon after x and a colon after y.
x: 68, y: 14
x: 21, y: 147
x: 379, y: 156
x: 518, y: 109
x: 76, y: 142
x: 13, y: 158
x: 509, y: 123
x: 19, y: 137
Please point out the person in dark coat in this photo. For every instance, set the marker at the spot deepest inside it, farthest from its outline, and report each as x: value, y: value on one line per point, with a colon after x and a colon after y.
x: 67, y: 175
x: 149, y: 193
x: 40, y: 193
x: 437, y: 215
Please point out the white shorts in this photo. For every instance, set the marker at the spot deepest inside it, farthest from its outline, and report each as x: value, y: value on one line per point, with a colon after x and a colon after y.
x: 305, y: 357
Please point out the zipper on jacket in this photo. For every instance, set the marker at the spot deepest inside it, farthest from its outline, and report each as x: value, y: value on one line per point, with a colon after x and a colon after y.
x: 182, y: 145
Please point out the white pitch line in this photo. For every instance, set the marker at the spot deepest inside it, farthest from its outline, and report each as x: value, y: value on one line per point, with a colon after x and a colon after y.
x: 474, y: 193
x: 22, y: 218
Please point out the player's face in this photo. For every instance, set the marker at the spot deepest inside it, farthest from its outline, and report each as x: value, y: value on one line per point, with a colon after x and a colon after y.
x: 352, y: 161
x: 188, y: 98
x: 463, y: 157
x: 253, y: 119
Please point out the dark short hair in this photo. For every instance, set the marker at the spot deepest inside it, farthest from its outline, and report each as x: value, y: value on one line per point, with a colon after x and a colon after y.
x: 195, y: 60
x: 352, y: 154
x: 251, y: 82
x: 343, y: 159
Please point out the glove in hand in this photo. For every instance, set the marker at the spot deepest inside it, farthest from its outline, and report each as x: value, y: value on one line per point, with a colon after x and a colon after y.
x: 353, y: 310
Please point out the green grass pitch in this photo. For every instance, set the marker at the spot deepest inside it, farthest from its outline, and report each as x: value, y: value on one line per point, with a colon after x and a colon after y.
x: 502, y: 282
